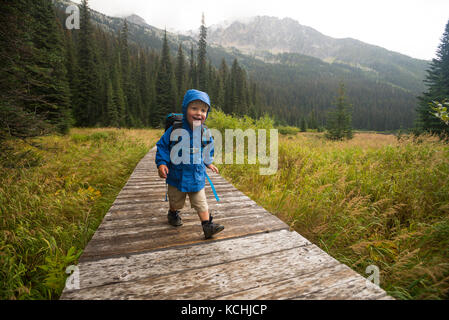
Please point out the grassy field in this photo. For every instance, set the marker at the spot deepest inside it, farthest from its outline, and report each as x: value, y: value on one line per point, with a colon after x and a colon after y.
x: 373, y: 200
x: 54, y: 192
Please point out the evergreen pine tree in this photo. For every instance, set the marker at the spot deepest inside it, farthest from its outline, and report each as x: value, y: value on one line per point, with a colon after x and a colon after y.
x: 71, y: 65
x: 145, y: 87
x: 86, y: 97
x: 118, y: 96
x: 180, y: 77
x: 130, y: 104
x: 34, y: 87
x: 193, y: 75
x: 224, y: 99
x: 52, y: 85
x: 111, y: 108
x: 18, y: 71
x: 136, y: 99
x: 313, y: 122
x: 437, y: 81
x: 339, y: 123
x: 303, y: 125
x: 165, y: 98
x: 202, y: 67
x: 239, y: 91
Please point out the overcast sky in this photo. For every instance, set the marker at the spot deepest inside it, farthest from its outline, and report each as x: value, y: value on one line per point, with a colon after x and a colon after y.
x: 411, y: 27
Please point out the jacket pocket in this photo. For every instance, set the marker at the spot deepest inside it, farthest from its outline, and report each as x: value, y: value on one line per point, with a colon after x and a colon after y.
x: 199, y: 173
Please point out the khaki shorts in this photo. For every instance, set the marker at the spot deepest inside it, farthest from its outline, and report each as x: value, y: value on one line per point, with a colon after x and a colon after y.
x: 197, y: 199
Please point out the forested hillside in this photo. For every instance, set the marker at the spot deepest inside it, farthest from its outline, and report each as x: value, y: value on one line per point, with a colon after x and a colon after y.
x: 121, y: 74
x: 290, y: 86
x: 111, y: 72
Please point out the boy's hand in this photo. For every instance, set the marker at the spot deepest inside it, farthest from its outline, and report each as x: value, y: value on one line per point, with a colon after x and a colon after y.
x: 163, y: 171
x: 213, y: 168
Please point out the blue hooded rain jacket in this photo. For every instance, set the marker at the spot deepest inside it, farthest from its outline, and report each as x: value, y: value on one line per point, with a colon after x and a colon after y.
x: 186, y: 177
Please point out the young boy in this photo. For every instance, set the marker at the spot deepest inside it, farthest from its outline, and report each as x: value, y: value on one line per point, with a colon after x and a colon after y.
x: 188, y: 178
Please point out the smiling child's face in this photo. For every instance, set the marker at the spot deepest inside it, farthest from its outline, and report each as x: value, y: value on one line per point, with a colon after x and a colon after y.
x: 196, y: 113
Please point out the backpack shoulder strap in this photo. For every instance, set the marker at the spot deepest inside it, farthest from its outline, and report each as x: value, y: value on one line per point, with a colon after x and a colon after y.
x: 204, y: 143
x: 177, y: 125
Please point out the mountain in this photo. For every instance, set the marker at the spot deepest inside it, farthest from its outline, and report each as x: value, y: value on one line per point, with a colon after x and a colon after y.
x: 265, y: 37
x: 134, y: 18
x: 292, y: 83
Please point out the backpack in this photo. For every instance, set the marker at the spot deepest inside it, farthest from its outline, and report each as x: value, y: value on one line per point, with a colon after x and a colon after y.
x: 173, y: 119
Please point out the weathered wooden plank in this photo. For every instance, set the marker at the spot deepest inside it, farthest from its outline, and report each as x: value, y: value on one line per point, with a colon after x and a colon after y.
x: 161, y: 182
x: 160, y: 220
x: 218, y: 280
x: 223, y: 200
x: 153, y: 205
x: 221, y: 191
x: 153, y: 228
x: 146, y: 179
x: 355, y: 288
x: 158, y: 186
x: 158, y: 263
x: 100, y: 247
x: 338, y: 282
x: 153, y: 172
x: 139, y: 198
x: 132, y: 212
x: 155, y: 185
x: 160, y: 195
x: 157, y: 224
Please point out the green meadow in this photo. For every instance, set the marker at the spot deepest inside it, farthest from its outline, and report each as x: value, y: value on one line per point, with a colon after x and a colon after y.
x: 54, y: 192
x: 377, y: 199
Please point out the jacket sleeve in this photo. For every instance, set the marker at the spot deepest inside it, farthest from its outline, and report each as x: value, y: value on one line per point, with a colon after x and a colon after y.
x: 210, y: 159
x: 163, y: 149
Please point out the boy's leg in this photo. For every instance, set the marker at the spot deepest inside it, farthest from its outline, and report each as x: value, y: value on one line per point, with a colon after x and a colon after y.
x: 199, y: 202
x: 204, y: 216
x: 176, y: 202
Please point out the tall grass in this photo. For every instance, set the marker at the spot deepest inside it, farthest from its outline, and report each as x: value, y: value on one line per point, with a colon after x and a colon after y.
x: 218, y: 120
x: 372, y: 200
x: 54, y: 192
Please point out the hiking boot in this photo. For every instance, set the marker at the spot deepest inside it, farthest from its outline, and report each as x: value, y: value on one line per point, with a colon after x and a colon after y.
x: 210, y: 228
x: 173, y: 218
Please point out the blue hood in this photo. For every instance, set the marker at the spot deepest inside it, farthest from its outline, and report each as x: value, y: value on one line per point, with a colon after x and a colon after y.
x: 192, y: 95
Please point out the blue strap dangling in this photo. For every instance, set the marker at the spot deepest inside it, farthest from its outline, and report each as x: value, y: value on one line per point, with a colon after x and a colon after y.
x: 213, y: 188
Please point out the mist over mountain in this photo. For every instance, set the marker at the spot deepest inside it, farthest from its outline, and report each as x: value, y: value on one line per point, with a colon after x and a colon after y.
x: 134, y: 18
x: 264, y: 37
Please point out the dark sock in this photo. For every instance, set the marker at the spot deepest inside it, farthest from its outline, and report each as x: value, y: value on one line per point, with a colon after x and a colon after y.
x: 207, y: 221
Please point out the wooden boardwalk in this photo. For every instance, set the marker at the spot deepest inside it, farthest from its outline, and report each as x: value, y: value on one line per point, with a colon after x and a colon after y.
x: 136, y: 254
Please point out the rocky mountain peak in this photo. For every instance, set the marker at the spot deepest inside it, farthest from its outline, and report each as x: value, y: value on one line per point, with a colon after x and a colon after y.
x: 134, y: 18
